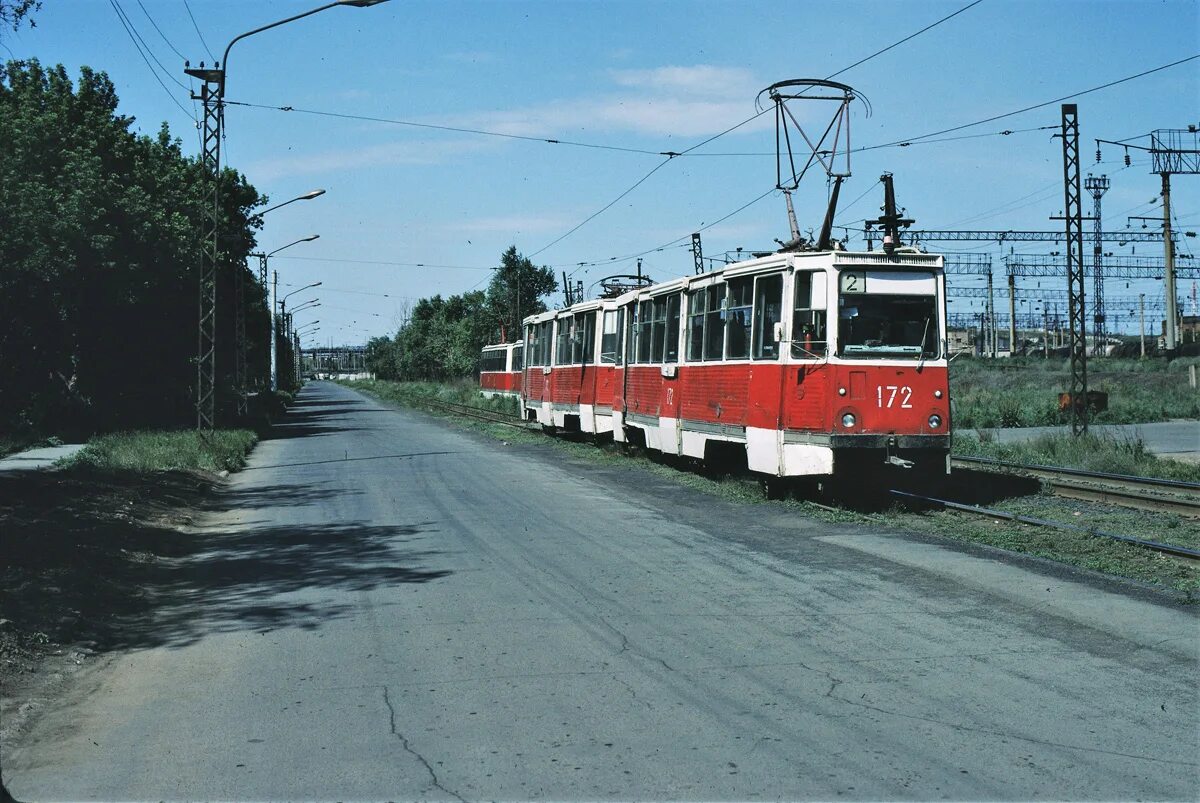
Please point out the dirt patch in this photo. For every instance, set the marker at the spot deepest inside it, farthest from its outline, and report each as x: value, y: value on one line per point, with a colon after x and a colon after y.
x: 80, y: 554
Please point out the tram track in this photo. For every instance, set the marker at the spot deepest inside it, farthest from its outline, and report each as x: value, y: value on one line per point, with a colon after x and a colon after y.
x: 1141, y: 493
x: 1173, y: 550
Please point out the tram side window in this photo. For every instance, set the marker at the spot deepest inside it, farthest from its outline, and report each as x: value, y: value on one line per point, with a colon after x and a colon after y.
x: 517, y: 353
x: 610, y: 337
x: 644, y: 327
x: 808, y: 324
x: 566, y: 332
x: 738, y: 318
x: 546, y: 339
x: 695, y: 325
x: 631, y: 322
x: 714, y: 322
x: 531, y: 344
x: 492, y: 361
x: 587, y: 333
x: 671, y: 349
x: 768, y: 307
x: 658, y: 328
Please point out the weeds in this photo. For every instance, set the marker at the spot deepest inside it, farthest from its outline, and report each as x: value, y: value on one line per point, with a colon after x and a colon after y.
x: 1023, y: 392
x: 1110, y: 453
x: 147, y: 451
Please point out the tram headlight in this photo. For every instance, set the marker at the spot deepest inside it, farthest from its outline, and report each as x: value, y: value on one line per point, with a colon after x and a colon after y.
x: 848, y: 420
x: 935, y: 421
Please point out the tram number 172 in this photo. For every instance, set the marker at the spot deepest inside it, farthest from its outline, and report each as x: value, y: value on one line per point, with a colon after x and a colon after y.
x: 892, y: 394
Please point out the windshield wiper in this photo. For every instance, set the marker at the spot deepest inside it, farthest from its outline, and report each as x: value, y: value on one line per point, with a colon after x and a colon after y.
x: 924, y: 333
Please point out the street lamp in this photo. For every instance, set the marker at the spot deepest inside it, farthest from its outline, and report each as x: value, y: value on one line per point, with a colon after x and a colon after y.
x: 212, y: 94
x: 274, y: 296
x: 308, y: 196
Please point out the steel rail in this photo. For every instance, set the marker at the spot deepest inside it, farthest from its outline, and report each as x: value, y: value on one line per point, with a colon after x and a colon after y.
x: 1168, y: 549
x: 1143, y: 493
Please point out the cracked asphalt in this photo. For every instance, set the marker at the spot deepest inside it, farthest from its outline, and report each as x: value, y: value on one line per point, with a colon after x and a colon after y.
x: 388, y: 608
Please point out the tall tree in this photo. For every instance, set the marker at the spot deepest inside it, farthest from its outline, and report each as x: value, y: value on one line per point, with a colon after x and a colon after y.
x: 99, y: 239
x: 517, y: 289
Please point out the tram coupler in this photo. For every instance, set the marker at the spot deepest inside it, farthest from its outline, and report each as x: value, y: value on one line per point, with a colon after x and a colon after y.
x: 893, y: 460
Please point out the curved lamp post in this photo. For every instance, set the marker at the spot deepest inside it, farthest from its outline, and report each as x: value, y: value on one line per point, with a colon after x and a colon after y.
x: 274, y: 296
x: 212, y: 94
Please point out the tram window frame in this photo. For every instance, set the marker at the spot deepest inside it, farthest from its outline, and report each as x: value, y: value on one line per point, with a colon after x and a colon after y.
x: 807, y: 315
x: 562, y: 340
x: 610, y: 341
x: 739, y: 318
x: 671, y: 344
x: 518, y: 355
x: 546, y: 338
x: 765, y: 346
x: 531, y: 343
x: 645, y: 335
x: 492, y: 361
x: 631, y: 321
x: 706, y: 323
x: 587, y: 337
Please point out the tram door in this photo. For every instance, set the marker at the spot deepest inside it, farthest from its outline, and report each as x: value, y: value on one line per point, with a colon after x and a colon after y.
x: 806, y: 379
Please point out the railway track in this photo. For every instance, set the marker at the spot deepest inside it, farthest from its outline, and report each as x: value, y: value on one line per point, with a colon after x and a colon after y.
x: 1186, y: 553
x: 1142, y: 493
x: 480, y: 414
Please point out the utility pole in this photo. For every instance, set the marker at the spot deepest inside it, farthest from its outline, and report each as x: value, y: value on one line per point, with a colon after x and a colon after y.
x: 212, y: 90
x: 1012, y: 316
x: 274, y: 332
x: 989, y: 337
x: 697, y: 253
x: 1097, y: 187
x: 1076, y: 294
x: 1172, y: 324
x: 239, y: 333
x: 1170, y: 153
x: 1045, y: 331
x: 1142, y: 321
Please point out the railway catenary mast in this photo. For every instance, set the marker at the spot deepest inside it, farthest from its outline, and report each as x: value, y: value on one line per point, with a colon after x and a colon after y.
x: 812, y: 361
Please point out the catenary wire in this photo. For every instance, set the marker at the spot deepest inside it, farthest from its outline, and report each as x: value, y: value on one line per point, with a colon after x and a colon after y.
x: 170, y: 44
x: 153, y: 72
x: 197, y: 27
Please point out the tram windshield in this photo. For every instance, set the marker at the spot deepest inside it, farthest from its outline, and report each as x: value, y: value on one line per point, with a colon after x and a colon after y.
x: 893, y: 325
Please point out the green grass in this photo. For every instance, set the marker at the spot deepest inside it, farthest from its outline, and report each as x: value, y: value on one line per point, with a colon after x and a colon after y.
x: 462, y: 391
x: 1023, y: 392
x: 1111, y: 453
x: 148, y: 451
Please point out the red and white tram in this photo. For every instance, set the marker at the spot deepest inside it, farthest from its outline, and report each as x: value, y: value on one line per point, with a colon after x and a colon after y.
x: 813, y: 363
x: 500, y: 369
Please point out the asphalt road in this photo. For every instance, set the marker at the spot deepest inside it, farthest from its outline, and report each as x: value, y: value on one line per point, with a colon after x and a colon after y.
x: 392, y: 609
x: 1179, y: 440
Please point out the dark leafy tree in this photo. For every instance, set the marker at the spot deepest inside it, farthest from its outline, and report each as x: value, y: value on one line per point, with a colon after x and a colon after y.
x: 517, y: 289
x: 99, y: 248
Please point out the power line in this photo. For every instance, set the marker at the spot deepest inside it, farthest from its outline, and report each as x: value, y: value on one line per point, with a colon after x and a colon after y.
x: 911, y: 140
x: 384, y: 263
x: 604, y: 208
x: 197, y: 27
x: 153, y: 72
x: 905, y: 39
x: 145, y: 45
x: 160, y: 31
x: 450, y: 128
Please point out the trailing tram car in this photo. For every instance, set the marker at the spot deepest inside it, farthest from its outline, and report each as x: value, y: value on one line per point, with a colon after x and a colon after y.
x: 571, y: 376
x: 500, y: 368
x: 812, y: 364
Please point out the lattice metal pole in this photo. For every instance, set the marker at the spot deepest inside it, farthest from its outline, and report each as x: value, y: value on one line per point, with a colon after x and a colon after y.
x: 1076, y: 295
x: 239, y: 331
x: 1097, y: 187
x: 697, y: 253
x: 211, y: 94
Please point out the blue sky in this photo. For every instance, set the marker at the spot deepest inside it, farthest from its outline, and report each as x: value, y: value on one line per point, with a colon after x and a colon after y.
x: 654, y: 76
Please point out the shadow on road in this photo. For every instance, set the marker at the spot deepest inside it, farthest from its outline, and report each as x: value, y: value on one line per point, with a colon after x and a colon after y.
x: 101, y: 560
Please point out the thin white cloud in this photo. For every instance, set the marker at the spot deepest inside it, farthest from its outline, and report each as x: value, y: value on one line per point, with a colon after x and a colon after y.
x: 412, y: 152
x: 662, y: 101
